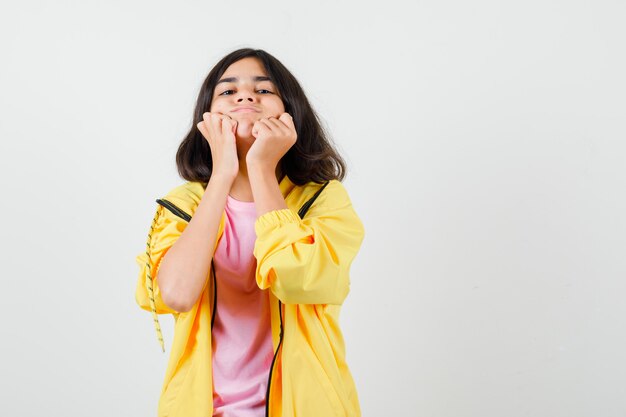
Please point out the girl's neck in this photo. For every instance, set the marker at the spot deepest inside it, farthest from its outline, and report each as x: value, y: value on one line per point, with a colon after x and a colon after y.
x: 241, y: 189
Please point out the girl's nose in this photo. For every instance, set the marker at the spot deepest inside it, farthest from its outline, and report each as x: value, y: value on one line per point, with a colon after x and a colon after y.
x: 245, y: 94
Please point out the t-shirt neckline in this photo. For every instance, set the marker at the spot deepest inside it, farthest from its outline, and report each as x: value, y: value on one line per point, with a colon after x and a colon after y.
x: 233, y: 202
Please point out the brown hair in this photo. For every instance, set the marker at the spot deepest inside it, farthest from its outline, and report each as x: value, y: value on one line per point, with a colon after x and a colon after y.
x: 311, y: 158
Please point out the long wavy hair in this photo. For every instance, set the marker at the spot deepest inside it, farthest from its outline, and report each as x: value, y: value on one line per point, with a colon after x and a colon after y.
x: 311, y: 158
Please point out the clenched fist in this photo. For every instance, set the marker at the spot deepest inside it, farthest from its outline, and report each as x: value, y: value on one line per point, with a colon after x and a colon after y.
x: 219, y: 130
x: 273, y: 138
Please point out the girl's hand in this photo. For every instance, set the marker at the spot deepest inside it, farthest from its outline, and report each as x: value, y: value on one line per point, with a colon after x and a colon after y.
x: 273, y: 138
x: 219, y: 130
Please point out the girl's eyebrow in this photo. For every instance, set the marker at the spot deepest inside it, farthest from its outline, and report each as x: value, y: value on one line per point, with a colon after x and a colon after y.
x: 234, y: 79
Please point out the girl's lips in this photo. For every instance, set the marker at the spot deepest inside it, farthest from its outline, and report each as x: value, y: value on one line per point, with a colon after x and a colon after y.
x: 245, y: 110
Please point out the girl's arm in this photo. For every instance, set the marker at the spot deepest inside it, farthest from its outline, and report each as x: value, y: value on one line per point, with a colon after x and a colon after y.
x: 183, y: 272
x: 307, y: 261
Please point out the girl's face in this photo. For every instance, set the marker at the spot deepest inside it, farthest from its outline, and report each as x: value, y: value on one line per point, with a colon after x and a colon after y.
x: 245, y: 93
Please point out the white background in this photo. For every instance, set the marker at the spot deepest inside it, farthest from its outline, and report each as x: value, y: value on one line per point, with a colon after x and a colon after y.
x: 485, y: 149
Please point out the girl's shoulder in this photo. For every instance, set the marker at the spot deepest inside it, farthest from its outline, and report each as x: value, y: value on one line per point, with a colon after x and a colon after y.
x: 191, y: 191
x: 331, y: 193
x: 183, y: 199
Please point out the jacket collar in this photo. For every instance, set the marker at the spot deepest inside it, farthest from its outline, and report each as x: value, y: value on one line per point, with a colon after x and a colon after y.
x: 188, y: 195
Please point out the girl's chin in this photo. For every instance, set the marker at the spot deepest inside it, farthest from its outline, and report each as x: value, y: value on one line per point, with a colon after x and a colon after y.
x: 244, y: 130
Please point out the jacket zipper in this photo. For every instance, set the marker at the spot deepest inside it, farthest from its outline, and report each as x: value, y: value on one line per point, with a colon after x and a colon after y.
x: 280, y: 341
x: 214, y: 296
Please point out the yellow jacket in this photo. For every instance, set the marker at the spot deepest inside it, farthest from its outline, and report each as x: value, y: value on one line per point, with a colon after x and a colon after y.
x: 305, y: 265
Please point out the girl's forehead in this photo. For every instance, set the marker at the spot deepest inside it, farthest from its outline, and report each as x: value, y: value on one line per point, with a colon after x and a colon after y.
x: 247, y: 67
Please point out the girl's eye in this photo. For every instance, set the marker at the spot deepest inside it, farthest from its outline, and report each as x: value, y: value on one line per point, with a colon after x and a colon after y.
x: 229, y: 92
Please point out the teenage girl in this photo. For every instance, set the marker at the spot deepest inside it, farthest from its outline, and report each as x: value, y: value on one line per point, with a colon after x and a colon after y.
x: 252, y: 254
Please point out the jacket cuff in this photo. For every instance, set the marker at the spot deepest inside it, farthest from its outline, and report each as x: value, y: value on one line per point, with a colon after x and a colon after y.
x: 274, y: 219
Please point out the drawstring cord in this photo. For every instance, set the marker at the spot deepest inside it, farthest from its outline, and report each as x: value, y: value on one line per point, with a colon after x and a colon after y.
x: 150, y: 282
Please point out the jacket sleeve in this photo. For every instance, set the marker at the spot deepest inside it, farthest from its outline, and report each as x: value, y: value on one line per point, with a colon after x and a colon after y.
x: 307, y: 261
x: 164, y: 231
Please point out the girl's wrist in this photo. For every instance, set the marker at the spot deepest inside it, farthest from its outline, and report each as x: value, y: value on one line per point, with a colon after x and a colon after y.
x: 222, y: 177
x: 259, y: 167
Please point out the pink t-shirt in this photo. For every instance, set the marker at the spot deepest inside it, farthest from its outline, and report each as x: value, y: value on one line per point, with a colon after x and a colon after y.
x: 242, y: 340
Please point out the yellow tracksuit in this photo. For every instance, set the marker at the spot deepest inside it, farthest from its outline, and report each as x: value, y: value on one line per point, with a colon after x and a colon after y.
x: 305, y: 265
